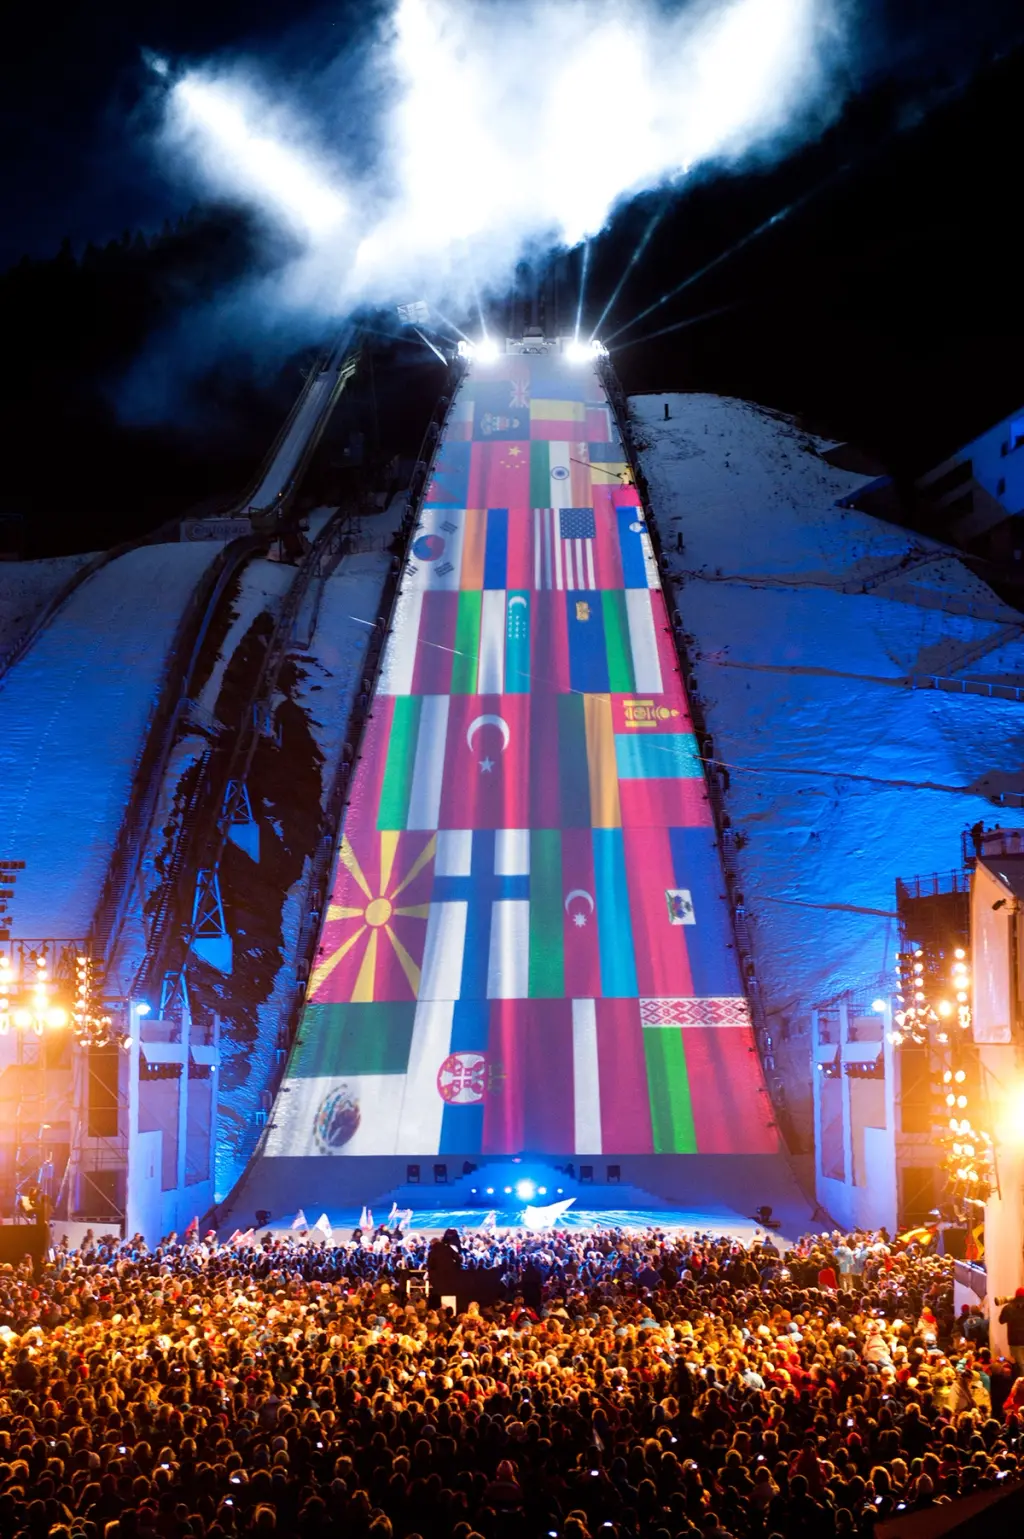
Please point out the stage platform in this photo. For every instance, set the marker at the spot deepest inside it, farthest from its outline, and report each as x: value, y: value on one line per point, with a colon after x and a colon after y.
x: 706, y: 1194
x: 432, y: 1221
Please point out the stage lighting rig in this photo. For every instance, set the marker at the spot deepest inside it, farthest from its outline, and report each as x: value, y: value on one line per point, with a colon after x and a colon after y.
x: 28, y: 1000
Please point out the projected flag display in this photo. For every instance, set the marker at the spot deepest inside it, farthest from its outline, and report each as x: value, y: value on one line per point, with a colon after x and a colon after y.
x: 526, y: 945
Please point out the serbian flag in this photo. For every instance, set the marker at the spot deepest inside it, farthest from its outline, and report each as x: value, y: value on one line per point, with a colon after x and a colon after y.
x: 193, y: 1228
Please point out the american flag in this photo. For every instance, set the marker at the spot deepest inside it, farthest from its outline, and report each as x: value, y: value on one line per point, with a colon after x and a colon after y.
x: 563, y: 548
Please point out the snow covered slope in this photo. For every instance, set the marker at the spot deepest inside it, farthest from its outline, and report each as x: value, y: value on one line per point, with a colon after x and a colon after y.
x: 25, y: 586
x: 809, y: 621
x: 73, y: 716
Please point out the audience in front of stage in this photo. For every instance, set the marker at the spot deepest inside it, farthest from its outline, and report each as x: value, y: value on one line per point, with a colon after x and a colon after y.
x: 637, y: 1385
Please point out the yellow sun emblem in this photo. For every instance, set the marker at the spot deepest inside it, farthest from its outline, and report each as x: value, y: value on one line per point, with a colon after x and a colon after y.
x: 358, y: 947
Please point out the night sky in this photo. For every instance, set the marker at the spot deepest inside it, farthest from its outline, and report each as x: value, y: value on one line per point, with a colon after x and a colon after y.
x: 882, y: 308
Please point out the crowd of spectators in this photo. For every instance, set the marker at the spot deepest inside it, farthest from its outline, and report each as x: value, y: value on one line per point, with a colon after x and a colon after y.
x: 633, y: 1385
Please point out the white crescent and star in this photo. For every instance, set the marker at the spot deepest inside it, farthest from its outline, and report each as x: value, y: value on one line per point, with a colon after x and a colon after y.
x: 517, y: 598
x: 579, y: 920
x: 486, y: 764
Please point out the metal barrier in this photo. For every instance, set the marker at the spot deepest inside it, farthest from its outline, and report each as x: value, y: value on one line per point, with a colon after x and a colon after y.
x: 966, y: 687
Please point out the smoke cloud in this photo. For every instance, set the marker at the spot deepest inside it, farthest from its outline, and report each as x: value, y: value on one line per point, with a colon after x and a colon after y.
x: 485, y: 130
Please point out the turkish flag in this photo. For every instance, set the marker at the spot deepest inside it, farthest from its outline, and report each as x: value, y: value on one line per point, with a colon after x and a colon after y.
x: 486, y: 767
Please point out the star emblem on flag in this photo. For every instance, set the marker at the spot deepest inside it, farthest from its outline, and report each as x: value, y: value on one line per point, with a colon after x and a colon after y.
x: 372, y: 945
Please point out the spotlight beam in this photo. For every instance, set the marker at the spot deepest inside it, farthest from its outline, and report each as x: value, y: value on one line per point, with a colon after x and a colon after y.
x: 583, y: 287
x: 638, y: 252
x: 740, y: 245
x: 430, y: 344
x: 452, y: 324
x: 693, y: 320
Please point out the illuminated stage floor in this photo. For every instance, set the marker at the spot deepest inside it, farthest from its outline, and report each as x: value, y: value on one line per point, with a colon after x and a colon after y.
x: 431, y: 1220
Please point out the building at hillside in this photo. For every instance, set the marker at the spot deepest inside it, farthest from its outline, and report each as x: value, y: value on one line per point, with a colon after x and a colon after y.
x: 979, y: 492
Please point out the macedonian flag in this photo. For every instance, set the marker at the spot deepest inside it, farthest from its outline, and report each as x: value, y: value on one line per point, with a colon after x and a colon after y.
x: 372, y: 942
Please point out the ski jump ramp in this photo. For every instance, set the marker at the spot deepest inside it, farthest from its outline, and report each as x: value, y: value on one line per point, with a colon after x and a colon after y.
x: 527, y: 945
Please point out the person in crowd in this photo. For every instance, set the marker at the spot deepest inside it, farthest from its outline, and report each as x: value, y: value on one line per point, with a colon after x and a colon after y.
x: 1012, y: 1316
x: 633, y: 1384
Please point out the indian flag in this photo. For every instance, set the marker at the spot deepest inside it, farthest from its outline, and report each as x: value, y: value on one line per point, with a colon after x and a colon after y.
x: 559, y: 474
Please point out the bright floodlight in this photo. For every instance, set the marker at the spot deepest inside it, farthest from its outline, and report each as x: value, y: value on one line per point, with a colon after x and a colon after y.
x: 56, y: 1017
x: 525, y: 1190
x: 484, y: 351
x: 141, y: 1007
x: 584, y: 352
x: 878, y: 1006
x: 1011, y: 1123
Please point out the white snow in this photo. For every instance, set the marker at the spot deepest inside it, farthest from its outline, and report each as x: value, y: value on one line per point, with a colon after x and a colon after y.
x: 262, y: 586
x: 843, y: 777
x: 25, y: 586
x: 73, y: 717
x: 330, y: 669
